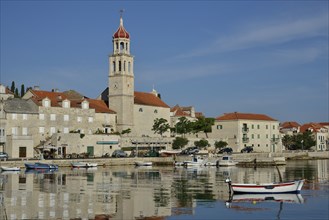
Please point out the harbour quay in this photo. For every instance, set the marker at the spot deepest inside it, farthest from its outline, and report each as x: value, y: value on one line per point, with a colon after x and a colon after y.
x: 243, y: 159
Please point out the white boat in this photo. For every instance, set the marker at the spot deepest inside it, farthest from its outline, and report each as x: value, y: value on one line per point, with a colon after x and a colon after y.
x: 196, y: 161
x: 4, y: 168
x: 227, y: 160
x: 280, y: 187
x: 143, y: 163
x: 83, y: 164
x: 168, y: 153
x: 209, y: 164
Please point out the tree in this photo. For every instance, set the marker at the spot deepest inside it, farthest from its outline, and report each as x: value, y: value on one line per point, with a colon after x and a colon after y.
x: 183, y: 126
x: 126, y: 131
x: 201, y: 143
x: 179, y: 142
x: 160, y: 126
x: 301, y: 141
x: 16, y: 93
x: 12, y: 89
x: 203, y: 125
x: 288, y: 142
x: 220, y: 144
x: 22, y: 90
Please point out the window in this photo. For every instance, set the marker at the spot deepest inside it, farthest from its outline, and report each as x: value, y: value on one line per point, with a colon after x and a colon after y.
x: 14, y: 131
x: 258, y: 136
x: 46, y: 103
x: 140, y: 110
x: 124, y: 66
x: 252, y: 126
x: 42, y: 116
x: 52, y: 117
x: 52, y: 130
x: 66, y: 104
x: 273, y: 127
x: 14, y: 116
x: 66, y: 130
x: 266, y: 126
x: 24, y: 116
x: 66, y: 117
x: 113, y: 66
x: 85, y: 105
x: 252, y: 136
x: 258, y: 126
x: 119, y: 66
x: 24, y: 131
x: 129, y: 67
x: 79, y: 119
x: 41, y: 130
x: 267, y: 136
x: 90, y: 119
x: 219, y: 127
x: 155, y: 111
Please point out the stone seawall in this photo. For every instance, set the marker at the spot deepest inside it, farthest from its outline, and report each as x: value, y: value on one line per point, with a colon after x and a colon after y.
x: 247, y: 159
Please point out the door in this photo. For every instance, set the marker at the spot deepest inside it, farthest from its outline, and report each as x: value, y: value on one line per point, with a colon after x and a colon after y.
x: 22, y: 152
x: 90, y: 150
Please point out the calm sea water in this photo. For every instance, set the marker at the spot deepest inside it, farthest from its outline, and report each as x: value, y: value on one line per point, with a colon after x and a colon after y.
x: 162, y: 193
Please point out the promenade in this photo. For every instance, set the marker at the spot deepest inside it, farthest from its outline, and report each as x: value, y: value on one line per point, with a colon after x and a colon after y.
x: 244, y: 159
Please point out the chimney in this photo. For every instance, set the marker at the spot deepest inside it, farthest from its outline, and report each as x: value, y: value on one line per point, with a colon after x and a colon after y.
x: 36, y: 88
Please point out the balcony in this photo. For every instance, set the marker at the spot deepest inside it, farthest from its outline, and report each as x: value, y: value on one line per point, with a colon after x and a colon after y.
x: 245, y: 139
x: 245, y: 130
x: 275, y: 140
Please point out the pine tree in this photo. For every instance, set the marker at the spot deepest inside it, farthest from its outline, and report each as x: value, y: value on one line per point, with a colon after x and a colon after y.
x: 22, y: 90
x: 16, y: 93
x: 12, y: 89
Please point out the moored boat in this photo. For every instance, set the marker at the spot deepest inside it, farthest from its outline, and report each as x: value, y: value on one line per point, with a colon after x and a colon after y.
x: 280, y: 187
x: 226, y: 160
x: 39, y: 165
x: 168, y: 153
x: 83, y: 164
x: 143, y: 163
x: 196, y: 161
x: 5, y: 168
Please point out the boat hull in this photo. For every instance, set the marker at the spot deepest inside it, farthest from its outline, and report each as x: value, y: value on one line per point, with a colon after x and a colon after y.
x: 39, y: 165
x: 4, y: 168
x: 284, y: 187
x: 142, y: 163
x: 83, y: 165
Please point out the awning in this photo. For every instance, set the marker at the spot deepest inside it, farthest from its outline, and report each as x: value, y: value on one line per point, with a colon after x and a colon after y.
x: 107, y: 142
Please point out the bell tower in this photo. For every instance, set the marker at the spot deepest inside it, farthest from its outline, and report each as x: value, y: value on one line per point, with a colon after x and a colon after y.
x: 121, y: 79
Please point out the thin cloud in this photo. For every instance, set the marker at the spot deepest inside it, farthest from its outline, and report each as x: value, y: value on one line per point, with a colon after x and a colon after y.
x: 256, y: 35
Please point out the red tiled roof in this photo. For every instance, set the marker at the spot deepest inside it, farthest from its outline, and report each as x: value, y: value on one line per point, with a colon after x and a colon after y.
x: 314, y: 127
x: 8, y: 91
x: 324, y: 123
x: 99, y: 106
x: 245, y: 116
x: 55, y: 97
x: 143, y: 98
x: 290, y: 124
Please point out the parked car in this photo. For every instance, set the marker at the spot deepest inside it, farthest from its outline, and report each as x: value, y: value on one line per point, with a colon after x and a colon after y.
x: 190, y: 150
x: 225, y: 150
x: 119, y: 153
x: 247, y: 149
x: 3, y: 155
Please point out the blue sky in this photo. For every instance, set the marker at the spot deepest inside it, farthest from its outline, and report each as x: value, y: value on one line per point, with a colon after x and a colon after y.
x: 267, y: 57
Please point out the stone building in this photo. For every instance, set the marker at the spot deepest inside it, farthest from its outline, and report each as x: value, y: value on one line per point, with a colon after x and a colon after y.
x: 245, y: 129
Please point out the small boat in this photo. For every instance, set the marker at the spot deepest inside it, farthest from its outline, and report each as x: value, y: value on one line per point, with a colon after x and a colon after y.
x: 143, y: 163
x: 196, y: 161
x: 280, y: 187
x: 226, y: 160
x: 168, y: 153
x: 83, y: 164
x: 39, y: 165
x: 178, y: 164
x: 4, y: 168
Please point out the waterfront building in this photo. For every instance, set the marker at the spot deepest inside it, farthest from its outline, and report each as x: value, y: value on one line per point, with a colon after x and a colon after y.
x: 245, y: 129
x: 320, y: 134
x: 289, y: 128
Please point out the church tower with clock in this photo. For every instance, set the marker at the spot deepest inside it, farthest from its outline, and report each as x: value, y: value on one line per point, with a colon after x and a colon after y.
x: 121, y: 79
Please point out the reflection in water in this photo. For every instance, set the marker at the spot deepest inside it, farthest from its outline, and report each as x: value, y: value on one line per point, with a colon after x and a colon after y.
x: 135, y: 193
